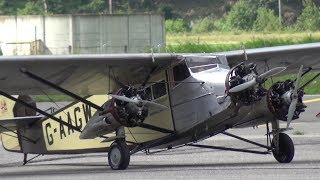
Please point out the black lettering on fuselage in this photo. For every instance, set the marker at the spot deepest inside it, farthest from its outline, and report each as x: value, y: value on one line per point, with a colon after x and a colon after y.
x: 62, y: 131
x: 70, y: 122
x: 79, y: 122
x: 77, y: 109
x: 49, y: 136
x: 86, y: 112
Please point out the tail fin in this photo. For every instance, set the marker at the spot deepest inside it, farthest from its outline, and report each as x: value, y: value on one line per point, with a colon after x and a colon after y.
x: 9, y: 110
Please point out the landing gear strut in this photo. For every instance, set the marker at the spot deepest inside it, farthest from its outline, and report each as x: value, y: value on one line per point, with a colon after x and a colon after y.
x: 283, y: 147
x: 285, y: 151
x: 119, y: 153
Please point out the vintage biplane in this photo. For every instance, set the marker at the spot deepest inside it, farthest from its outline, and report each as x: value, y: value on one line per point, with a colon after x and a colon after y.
x: 126, y: 103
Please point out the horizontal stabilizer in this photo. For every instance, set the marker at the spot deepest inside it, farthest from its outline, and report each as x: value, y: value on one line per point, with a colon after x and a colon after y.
x: 14, y: 123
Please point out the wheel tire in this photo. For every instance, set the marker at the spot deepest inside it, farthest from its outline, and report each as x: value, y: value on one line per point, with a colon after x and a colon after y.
x: 286, y: 149
x: 119, y: 155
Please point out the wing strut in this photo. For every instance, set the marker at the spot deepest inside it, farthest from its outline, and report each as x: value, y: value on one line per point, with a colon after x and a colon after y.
x: 39, y: 111
x: 58, y: 88
x: 18, y: 134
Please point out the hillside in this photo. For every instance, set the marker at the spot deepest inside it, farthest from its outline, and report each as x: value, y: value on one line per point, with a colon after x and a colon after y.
x: 185, y: 9
x: 196, y: 9
x: 191, y: 10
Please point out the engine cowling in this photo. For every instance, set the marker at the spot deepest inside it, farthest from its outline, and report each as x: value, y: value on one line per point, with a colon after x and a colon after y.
x: 279, y: 98
x: 241, y: 74
x: 128, y: 114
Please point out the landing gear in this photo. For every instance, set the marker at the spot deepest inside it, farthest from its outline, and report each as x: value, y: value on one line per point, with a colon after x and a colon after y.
x: 119, y: 155
x: 284, y: 151
x: 25, y: 158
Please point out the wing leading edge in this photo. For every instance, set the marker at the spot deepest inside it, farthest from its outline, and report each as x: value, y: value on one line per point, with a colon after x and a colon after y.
x: 290, y: 56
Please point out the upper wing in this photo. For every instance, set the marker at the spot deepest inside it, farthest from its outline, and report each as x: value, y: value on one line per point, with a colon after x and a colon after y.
x: 81, y: 74
x: 291, y: 56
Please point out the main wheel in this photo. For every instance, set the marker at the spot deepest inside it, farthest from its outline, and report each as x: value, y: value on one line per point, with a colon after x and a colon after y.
x: 119, y: 155
x: 286, y: 149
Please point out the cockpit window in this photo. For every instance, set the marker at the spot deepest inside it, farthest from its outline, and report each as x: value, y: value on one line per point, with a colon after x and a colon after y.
x: 202, y: 63
x: 159, y: 89
x: 197, y: 69
x: 180, y: 72
x: 202, y: 60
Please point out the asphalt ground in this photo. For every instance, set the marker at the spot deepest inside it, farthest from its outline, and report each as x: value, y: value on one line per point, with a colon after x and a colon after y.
x: 187, y: 162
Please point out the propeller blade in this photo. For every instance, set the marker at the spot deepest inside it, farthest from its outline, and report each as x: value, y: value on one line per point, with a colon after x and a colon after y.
x: 272, y: 72
x: 243, y: 86
x: 292, y: 109
x: 125, y: 99
x: 253, y: 82
x: 155, y: 105
x: 143, y: 102
x: 294, y: 96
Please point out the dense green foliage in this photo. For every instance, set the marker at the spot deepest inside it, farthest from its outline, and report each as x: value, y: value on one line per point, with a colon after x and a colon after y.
x: 176, y: 26
x: 259, y: 15
x: 266, y: 21
x: 23, y: 7
x: 208, y: 15
x: 203, y: 25
x: 241, y: 16
x: 310, y: 17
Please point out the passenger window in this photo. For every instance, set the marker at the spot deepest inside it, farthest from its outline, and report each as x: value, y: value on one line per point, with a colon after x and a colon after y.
x: 159, y: 89
x: 148, y: 95
x: 180, y: 72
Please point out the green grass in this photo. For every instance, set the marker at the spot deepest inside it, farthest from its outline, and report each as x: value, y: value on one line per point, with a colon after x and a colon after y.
x: 50, y: 98
x: 235, y: 37
x: 312, y: 88
x: 192, y: 47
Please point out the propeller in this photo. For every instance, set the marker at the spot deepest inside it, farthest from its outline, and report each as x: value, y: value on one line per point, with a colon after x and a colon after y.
x: 294, y: 96
x: 139, y: 102
x: 256, y: 80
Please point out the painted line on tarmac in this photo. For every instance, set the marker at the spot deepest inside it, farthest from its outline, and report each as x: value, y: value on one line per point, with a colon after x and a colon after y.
x: 311, y: 100
x: 255, y: 137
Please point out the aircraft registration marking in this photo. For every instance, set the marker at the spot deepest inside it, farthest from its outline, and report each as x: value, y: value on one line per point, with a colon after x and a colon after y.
x: 60, y: 137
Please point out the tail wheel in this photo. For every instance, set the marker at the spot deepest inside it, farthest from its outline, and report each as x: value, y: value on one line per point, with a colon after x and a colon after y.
x: 285, y: 152
x: 119, y: 155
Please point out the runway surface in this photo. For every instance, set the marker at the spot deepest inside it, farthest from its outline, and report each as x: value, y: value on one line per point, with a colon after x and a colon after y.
x: 186, y: 162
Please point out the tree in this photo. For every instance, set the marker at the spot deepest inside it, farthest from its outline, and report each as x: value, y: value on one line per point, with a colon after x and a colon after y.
x: 203, y: 25
x: 176, y: 26
x: 31, y: 8
x: 64, y: 6
x: 241, y: 16
x: 94, y: 6
x: 309, y: 18
x: 244, y: 13
x: 10, y: 7
x: 266, y: 20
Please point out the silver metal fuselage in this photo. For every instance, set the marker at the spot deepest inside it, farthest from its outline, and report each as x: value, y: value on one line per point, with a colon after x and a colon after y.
x: 201, y: 107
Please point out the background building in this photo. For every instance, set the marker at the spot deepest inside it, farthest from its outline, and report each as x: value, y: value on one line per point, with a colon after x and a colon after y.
x: 81, y: 34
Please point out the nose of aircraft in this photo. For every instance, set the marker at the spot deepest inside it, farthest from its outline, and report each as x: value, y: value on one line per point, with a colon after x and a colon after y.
x: 214, y: 79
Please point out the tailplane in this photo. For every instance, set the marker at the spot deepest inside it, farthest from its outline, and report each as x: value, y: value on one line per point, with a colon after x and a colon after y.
x: 13, y: 116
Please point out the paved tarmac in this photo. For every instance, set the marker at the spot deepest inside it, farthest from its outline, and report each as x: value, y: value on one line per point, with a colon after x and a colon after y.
x: 186, y: 162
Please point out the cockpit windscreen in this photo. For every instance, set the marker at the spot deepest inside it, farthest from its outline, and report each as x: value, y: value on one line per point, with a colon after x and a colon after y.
x: 202, y: 63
